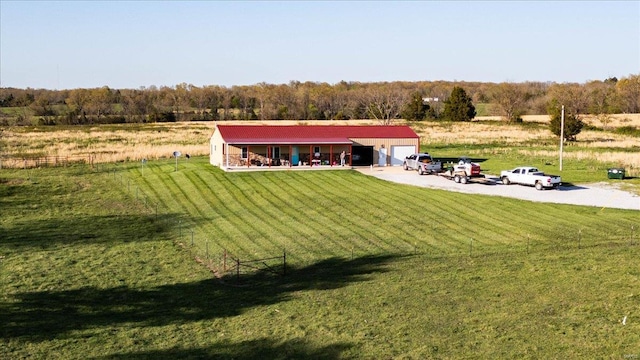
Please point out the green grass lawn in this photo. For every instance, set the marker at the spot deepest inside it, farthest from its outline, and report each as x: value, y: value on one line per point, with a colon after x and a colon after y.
x: 91, y: 266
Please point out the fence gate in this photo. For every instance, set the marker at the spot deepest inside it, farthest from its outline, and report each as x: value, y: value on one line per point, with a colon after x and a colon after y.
x: 275, y: 265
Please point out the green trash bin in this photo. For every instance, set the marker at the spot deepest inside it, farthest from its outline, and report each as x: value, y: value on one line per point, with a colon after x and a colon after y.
x: 615, y: 173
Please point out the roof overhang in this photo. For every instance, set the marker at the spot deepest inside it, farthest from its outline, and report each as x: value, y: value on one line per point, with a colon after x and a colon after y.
x: 323, y: 141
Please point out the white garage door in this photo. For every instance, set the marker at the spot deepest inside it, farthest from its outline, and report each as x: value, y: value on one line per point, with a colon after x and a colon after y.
x: 399, y: 152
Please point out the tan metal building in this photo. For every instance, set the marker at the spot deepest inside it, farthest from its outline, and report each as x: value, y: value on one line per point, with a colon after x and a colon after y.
x: 235, y: 146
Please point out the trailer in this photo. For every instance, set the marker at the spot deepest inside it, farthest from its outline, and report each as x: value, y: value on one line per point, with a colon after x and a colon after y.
x: 460, y: 176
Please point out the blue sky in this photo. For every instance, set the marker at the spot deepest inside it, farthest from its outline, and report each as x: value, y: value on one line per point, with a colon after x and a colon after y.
x: 131, y: 44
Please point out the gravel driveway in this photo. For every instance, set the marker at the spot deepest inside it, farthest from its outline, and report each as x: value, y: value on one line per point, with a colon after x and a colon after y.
x: 600, y: 194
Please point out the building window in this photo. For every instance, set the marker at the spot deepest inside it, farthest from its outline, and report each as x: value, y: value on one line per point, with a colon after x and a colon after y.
x: 245, y: 152
x: 316, y: 149
x: 276, y: 152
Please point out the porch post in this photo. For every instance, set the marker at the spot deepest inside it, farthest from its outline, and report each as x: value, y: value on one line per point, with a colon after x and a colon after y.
x: 310, y: 155
x: 226, y: 146
x: 290, y: 153
x: 269, y: 155
x: 248, y: 154
x: 331, y: 155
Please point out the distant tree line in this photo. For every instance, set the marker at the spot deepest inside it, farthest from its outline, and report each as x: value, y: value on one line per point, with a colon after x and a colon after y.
x: 384, y: 101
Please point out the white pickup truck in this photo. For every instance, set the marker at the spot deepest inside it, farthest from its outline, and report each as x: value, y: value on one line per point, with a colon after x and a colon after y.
x: 527, y: 175
x: 423, y: 163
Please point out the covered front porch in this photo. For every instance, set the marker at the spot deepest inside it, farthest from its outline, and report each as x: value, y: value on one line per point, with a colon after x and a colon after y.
x: 287, y: 155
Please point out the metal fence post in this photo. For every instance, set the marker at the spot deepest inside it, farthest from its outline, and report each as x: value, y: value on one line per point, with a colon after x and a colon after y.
x: 238, y: 269
x: 284, y: 262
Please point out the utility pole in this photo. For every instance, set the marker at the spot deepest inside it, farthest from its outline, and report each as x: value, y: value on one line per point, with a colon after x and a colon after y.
x: 561, y: 135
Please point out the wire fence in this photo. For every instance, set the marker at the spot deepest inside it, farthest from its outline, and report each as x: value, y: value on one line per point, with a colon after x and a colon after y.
x: 31, y: 162
x: 204, y: 248
x: 207, y: 251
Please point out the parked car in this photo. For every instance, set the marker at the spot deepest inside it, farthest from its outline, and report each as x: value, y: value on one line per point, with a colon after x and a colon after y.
x: 423, y: 163
x: 527, y: 175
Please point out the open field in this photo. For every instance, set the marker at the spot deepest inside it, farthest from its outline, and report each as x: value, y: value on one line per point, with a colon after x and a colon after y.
x: 91, y: 268
x: 134, y: 142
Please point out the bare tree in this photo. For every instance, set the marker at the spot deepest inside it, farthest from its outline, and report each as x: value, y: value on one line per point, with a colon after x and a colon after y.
x: 629, y: 92
x: 99, y: 103
x: 601, y: 97
x: 571, y: 95
x: 137, y: 104
x: 383, y: 102
x: 76, y: 102
x: 511, y: 100
x: 261, y: 92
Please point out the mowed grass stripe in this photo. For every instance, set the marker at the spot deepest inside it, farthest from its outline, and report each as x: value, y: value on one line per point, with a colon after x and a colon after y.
x: 151, y: 187
x: 333, y: 212
x: 437, y: 205
x: 300, y: 230
x: 279, y: 198
x: 364, y: 239
x: 387, y: 193
x: 267, y: 216
x: 161, y: 194
x: 414, y: 213
x: 515, y: 225
x: 174, y: 190
x: 352, y: 236
x: 463, y: 212
x: 341, y: 209
x: 180, y: 205
x: 328, y: 222
x: 495, y: 235
x: 241, y: 218
x: 206, y: 193
x: 395, y: 237
x: 381, y: 208
x: 391, y: 197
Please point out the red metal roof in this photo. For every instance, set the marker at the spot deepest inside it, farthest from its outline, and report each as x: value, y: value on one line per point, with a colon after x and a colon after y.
x: 310, y: 134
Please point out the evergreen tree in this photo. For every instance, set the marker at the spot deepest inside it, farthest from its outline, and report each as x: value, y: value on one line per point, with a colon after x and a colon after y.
x: 415, y: 109
x: 572, y: 123
x: 458, y: 107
